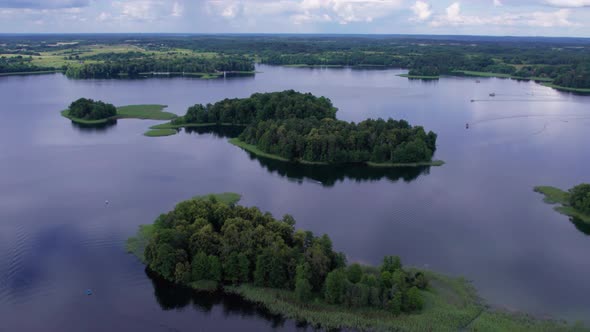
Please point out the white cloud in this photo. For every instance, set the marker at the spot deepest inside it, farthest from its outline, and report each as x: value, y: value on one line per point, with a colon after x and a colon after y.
x: 455, y: 17
x: 306, y: 11
x: 568, y: 3
x: 177, y: 9
x: 498, y: 3
x: 422, y: 10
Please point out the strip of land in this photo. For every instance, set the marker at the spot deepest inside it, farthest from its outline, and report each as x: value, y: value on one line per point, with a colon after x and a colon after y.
x: 555, y: 195
x: 255, y: 150
x: 143, y: 112
x: 419, y: 77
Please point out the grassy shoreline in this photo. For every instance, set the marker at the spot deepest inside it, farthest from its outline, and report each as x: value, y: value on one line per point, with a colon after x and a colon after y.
x: 142, y: 112
x: 555, y: 195
x: 500, y: 75
x: 563, y: 88
x: 41, y: 72
x: 255, y: 150
x: 419, y: 77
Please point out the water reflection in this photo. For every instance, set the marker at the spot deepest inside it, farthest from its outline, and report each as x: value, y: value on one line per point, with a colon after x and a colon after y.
x: 327, y: 176
x: 171, y: 296
x: 94, y: 128
x: 582, y: 226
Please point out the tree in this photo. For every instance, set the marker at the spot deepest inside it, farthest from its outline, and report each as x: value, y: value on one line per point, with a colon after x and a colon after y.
x: 354, y: 273
x: 580, y: 198
x: 391, y: 264
x: 414, y: 299
x: 200, y: 267
x: 214, y: 268
x: 335, y: 283
x: 303, y: 290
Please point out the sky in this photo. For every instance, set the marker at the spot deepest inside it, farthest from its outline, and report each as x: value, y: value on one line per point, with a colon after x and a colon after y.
x: 466, y: 17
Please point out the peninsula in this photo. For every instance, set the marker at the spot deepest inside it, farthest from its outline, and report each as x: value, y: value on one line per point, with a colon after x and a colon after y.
x: 210, y: 243
x: 574, y: 203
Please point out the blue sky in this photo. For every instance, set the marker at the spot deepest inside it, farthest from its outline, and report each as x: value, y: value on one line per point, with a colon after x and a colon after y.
x: 482, y: 17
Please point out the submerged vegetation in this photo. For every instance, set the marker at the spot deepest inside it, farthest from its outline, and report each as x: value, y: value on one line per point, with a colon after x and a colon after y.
x: 91, y: 112
x: 293, y: 126
x: 574, y: 203
x: 210, y: 243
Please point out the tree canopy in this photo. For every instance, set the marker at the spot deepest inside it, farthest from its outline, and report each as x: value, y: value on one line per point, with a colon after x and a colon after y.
x: 88, y: 109
x: 207, y: 239
x: 302, y: 127
x: 580, y: 198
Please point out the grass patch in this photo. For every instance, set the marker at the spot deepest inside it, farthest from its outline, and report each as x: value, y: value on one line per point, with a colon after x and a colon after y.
x: 557, y: 196
x: 144, y: 112
x: 136, y: 245
x: 451, y: 304
x: 563, y: 88
x: 255, y: 150
x: 227, y: 198
x: 160, y: 132
x: 419, y: 77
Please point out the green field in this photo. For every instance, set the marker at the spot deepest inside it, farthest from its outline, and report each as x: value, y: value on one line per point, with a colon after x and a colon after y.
x: 143, y: 112
x: 557, y: 196
x: 255, y: 150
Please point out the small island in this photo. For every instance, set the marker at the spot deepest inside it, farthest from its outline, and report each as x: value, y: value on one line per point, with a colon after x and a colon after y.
x: 210, y: 243
x: 574, y: 203
x: 90, y: 112
x: 300, y: 127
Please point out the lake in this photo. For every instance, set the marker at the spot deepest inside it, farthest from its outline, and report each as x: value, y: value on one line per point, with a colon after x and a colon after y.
x: 477, y: 216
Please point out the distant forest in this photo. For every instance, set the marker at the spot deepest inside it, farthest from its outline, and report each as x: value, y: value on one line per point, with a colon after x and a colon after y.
x: 565, y: 61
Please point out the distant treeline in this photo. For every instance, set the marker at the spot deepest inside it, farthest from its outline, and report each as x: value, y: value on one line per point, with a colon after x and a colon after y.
x: 19, y: 64
x: 205, y: 240
x: 566, y: 61
x: 133, y: 64
x: 302, y: 127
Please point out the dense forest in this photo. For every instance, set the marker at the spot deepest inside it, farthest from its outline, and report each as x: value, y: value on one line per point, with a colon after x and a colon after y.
x: 579, y: 198
x: 132, y: 64
x: 261, y: 107
x: 302, y: 127
x: 88, y: 109
x: 208, y: 240
x: 566, y: 61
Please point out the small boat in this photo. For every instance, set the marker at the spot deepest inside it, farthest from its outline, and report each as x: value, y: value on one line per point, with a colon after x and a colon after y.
x: 473, y: 100
x: 492, y: 94
x: 106, y: 202
x: 89, y: 292
x: 467, y: 126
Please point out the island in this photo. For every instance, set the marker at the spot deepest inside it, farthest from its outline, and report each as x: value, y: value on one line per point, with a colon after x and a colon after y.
x: 90, y: 112
x: 210, y: 243
x: 574, y: 203
x: 300, y: 127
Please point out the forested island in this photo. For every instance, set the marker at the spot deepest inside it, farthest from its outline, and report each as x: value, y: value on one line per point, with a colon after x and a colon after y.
x: 293, y: 126
x: 86, y: 111
x: 562, y: 63
x: 574, y: 203
x: 210, y: 243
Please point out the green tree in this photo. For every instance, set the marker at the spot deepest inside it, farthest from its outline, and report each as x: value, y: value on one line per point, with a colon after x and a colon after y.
x: 335, y: 286
x: 414, y: 299
x: 303, y: 290
x: 354, y: 273
x: 580, y: 198
x: 214, y: 268
x: 200, y: 267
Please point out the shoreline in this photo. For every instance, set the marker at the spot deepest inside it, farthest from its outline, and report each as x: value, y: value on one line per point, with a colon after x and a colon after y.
x: 419, y: 77
x: 254, y: 150
x: 556, y: 196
